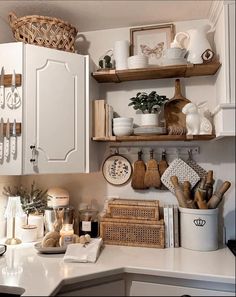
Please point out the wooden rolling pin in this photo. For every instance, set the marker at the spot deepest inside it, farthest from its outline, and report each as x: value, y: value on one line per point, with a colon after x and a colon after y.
x: 218, y: 195
x: 187, y: 194
x: 209, y: 185
x: 199, y: 200
x: 178, y: 192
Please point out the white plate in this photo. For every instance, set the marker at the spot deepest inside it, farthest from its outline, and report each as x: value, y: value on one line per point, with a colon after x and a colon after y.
x: 149, y: 130
x: 117, y: 170
x: 49, y: 250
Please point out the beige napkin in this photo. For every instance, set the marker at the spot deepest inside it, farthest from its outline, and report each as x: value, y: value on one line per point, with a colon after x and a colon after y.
x: 77, y: 252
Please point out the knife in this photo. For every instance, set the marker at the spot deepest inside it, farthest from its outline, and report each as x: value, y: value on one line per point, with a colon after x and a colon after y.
x: 2, y: 90
x: 13, y: 139
x: 7, y: 139
x: 1, y: 138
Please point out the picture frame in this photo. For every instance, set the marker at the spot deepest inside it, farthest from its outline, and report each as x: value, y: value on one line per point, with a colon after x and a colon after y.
x: 151, y: 41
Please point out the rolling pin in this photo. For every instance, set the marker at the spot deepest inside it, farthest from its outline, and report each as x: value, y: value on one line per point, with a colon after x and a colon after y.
x: 218, y: 195
x: 209, y: 184
x: 179, y: 194
x: 199, y: 199
x: 187, y: 194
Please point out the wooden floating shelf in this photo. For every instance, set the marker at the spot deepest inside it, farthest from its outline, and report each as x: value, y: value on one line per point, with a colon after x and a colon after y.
x: 188, y: 70
x: 155, y: 138
x: 8, y: 80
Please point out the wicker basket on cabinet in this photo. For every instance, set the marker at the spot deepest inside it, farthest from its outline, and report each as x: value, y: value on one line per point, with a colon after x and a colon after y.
x: 43, y: 31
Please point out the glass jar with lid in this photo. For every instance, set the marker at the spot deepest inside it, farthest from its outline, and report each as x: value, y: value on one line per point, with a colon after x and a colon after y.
x: 88, y: 222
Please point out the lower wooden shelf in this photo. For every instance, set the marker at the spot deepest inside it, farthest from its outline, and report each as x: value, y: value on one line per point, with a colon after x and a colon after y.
x: 132, y: 138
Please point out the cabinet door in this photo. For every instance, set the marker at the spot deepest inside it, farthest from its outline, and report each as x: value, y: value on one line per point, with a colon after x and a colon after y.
x: 54, y: 111
x: 114, y: 288
x: 152, y: 289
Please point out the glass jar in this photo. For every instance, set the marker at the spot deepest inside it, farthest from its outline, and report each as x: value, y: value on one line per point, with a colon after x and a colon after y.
x: 66, y: 234
x: 88, y: 222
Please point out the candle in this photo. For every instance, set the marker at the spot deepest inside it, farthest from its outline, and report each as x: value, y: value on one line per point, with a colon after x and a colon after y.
x: 66, y: 233
x: 39, y: 222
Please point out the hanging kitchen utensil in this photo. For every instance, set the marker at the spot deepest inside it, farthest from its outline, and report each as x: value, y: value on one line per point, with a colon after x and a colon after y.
x: 13, y: 98
x: 162, y: 166
x: 7, y: 147
x: 183, y: 172
x: 13, y: 139
x: 200, y: 171
x: 137, y: 182
x: 175, y: 119
x: 152, y: 175
x: 2, y: 89
x: 1, y: 138
x: 117, y: 169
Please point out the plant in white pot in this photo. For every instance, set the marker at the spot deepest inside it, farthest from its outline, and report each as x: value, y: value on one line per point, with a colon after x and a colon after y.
x: 150, y: 106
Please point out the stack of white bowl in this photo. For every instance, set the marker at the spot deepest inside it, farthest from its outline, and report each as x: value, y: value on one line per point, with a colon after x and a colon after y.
x: 122, y: 126
x: 137, y: 61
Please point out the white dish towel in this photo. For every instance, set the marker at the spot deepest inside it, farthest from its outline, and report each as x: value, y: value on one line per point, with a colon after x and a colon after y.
x: 77, y: 252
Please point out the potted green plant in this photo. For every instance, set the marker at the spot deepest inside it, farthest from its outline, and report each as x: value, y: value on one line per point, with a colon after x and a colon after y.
x: 150, y: 106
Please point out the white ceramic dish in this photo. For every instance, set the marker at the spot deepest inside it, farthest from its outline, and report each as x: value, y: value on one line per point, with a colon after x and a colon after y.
x: 49, y: 250
x: 122, y: 131
x: 117, y: 169
x: 149, y: 130
x: 170, y: 62
x: 123, y: 120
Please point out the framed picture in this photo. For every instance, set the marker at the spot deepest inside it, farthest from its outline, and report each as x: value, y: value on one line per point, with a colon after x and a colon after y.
x: 151, y: 41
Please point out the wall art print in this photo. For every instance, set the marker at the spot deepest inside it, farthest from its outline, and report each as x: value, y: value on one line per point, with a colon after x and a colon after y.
x: 151, y: 41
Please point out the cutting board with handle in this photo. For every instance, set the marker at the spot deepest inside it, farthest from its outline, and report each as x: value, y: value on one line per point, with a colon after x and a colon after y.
x: 175, y: 119
x: 137, y: 182
x: 152, y: 176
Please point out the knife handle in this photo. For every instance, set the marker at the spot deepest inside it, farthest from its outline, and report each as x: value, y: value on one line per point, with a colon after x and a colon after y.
x: 2, y: 96
x: 1, y: 150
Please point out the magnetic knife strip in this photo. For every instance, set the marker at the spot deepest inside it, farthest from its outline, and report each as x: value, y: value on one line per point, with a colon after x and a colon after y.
x: 18, y: 129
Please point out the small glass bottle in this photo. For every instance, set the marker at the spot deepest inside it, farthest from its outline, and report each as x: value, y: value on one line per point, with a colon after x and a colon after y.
x: 66, y: 233
x: 88, y: 222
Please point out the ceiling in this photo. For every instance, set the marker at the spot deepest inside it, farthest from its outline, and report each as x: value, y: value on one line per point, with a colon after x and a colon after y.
x: 97, y: 15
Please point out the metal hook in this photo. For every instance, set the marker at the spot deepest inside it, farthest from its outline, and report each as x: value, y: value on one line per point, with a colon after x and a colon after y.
x: 190, y: 154
x: 177, y: 152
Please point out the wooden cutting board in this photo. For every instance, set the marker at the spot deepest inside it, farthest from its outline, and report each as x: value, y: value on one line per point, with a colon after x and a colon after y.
x: 175, y: 119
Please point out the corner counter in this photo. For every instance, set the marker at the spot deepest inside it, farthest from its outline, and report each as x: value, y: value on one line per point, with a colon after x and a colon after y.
x: 24, y: 270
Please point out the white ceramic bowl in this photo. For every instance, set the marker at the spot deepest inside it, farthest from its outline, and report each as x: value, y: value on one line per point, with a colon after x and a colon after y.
x: 122, y: 131
x: 123, y: 120
x: 130, y: 125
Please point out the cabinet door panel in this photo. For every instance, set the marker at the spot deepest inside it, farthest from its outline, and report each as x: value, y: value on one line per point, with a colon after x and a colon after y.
x: 152, y: 289
x: 55, y: 104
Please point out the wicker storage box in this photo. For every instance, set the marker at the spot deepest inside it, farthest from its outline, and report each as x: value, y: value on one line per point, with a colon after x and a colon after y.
x: 43, y: 31
x: 132, y: 232
x: 133, y: 209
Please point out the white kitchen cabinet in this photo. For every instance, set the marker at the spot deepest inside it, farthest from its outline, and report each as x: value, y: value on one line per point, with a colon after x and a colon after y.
x: 224, y: 24
x: 114, y: 288
x: 151, y: 289
x: 54, y: 111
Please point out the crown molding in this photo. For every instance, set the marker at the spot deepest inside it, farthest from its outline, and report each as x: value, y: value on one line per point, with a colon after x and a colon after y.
x: 214, y: 12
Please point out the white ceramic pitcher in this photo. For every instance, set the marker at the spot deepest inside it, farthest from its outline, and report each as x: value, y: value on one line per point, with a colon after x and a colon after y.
x: 197, y: 43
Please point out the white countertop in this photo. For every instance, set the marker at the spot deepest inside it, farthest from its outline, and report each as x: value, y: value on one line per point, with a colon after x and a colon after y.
x: 40, y: 274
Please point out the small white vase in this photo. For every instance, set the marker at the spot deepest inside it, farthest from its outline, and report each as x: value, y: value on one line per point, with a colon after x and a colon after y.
x: 149, y: 119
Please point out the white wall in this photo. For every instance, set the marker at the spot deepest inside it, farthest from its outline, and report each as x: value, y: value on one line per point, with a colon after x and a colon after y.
x: 217, y: 155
